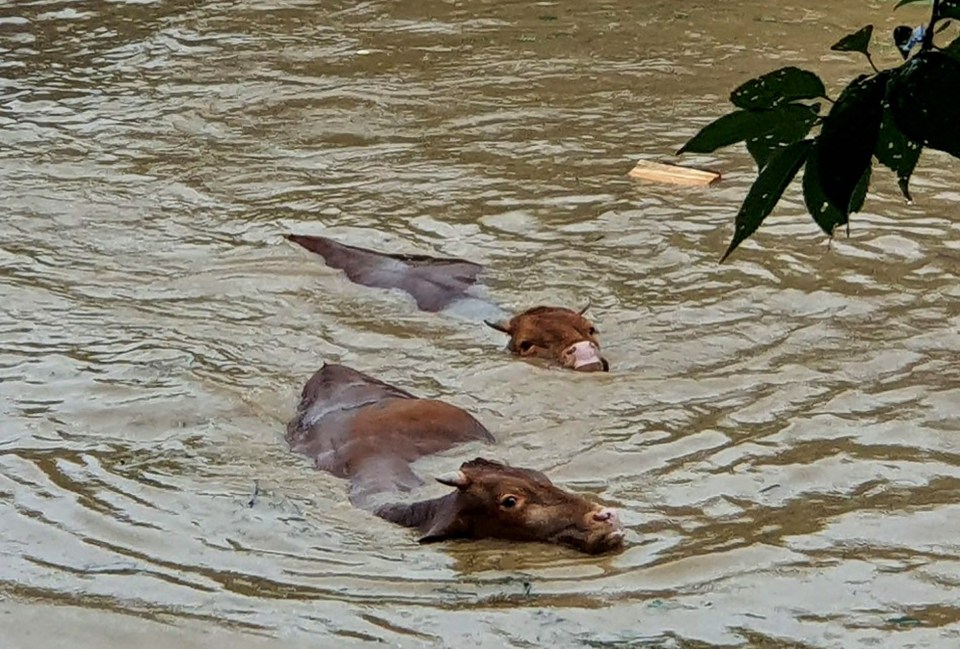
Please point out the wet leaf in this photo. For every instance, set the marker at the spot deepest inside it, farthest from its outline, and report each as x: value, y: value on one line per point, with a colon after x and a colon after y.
x: 794, y: 128
x: 826, y: 215
x: 948, y: 9
x: 742, y: 125
x: 924, y: 94
x: 860, y: 193
x: 897, y: 152
x: 767, y: 190
x: 953, y: 49
x: 775, y: 88
x: 858, y: 41
x: 848, y: 138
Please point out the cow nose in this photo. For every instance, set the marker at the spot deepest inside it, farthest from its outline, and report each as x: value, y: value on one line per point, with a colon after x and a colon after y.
x: 584, y: 356
x: 606, y: 514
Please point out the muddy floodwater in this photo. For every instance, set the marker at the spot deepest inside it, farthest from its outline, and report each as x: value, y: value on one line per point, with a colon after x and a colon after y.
x: 780, y: 433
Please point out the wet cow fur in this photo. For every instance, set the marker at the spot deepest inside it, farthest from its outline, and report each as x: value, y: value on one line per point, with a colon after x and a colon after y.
x: 369, y: 432
x: 558, y: 335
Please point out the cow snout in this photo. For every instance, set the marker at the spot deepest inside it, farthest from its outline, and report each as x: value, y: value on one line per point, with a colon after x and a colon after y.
x: 607, y: 515
x: 584, y: 356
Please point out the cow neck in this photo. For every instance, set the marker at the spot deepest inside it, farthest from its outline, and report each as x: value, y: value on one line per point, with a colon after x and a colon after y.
x: 421, y: 514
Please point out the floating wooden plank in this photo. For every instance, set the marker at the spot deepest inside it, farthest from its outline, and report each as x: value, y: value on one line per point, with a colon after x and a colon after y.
x: 660, y: 172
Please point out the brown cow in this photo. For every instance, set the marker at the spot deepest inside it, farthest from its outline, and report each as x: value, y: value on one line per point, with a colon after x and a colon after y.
x: 556, y: 334
x: 359, y: 428
x: 559, y: 335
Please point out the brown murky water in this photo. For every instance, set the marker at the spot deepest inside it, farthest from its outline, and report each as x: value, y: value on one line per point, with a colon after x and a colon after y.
x: 782, y: 432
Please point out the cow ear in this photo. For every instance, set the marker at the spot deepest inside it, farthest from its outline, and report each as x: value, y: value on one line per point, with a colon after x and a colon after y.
x: 446, y: 524
x: 499, y: 326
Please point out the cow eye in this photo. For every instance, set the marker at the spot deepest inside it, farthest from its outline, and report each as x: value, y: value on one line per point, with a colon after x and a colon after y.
x: 593, y: 331
x: 525, y: 345
x: 508, y: 502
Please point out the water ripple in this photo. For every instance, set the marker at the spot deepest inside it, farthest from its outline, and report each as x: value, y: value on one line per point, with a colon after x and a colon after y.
x: 779, y: 432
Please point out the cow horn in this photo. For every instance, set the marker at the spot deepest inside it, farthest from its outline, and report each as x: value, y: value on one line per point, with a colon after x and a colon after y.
x: 584, y: 309
x: 497, y: 326
x: 456, y: 479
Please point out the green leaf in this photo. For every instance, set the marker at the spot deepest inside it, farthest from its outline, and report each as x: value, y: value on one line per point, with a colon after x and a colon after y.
x: 767, y: 190
x: 795, y: 126
x: 777, y: 87
x: 848, y: 138
x: 826, y: 215
x: 743, y: 125
x: 859, y: 194
x: 948, y: 9
x: 858, y: 41
x: 896, y: 151
x: 953, y: 49
x: 924, y: 94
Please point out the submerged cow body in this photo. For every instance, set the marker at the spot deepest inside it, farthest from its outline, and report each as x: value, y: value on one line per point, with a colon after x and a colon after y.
x: 556, y: 334
x: 369, y: 432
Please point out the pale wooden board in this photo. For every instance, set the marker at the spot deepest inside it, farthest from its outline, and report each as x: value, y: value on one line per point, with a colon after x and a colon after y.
x: 666, y: 173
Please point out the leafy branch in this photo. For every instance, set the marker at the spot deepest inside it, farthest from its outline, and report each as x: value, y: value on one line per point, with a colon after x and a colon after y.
x: 888, y: 114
